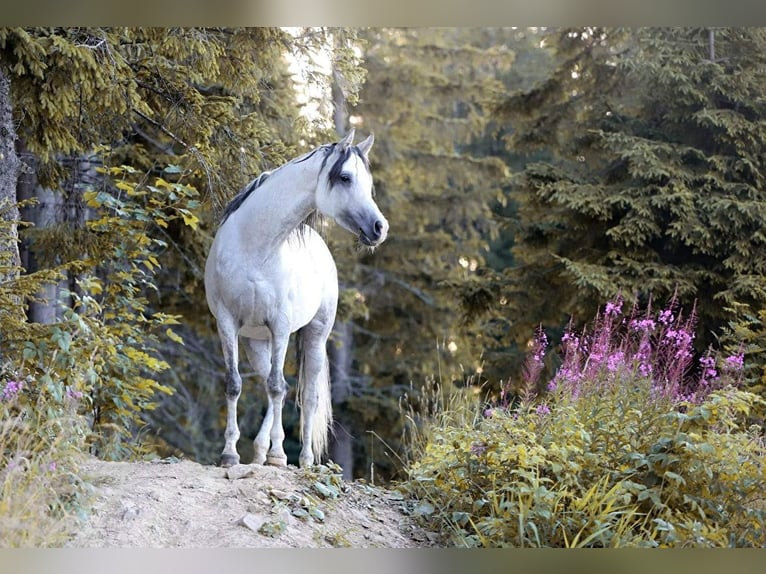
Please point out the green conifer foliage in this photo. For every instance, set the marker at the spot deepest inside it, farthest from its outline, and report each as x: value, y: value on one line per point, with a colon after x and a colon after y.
x: 655, y: 179
x: 9, y: 170
x: 172, y: 110
x: 424, y: 99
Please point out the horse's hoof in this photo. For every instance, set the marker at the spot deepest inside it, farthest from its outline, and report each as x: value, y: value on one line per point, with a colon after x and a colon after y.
x: 305, y: 462
x: 276, y: 460
x: 228, y: 460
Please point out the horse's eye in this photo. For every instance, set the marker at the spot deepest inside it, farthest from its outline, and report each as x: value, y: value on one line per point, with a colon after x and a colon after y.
x: 345, y: 178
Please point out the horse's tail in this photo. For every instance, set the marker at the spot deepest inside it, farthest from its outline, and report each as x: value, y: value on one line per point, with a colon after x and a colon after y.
x: 322, y: 423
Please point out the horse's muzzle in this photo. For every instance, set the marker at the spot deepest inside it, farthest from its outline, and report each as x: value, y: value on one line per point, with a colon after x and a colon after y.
x: 375, y: 235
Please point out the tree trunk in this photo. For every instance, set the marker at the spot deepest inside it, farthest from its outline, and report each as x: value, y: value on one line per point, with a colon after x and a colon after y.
x: 340, y: 355
x: 47, y: 211
x: 340, y: 349
x: 9, y: 212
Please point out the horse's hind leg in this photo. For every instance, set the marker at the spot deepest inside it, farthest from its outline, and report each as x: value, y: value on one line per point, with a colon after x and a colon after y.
x: 259, y: 354
x: 228, y: 335
x: 314, y: 388
x: 271, y: 430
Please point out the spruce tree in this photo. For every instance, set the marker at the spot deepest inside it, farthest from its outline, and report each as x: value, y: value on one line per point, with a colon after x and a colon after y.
x: 424, y: 98
x: 653, y: 185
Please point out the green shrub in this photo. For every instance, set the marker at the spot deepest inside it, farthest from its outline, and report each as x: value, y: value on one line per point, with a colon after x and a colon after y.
x: 104, y: 347
x: 630, y: 447
x: 82, y: 383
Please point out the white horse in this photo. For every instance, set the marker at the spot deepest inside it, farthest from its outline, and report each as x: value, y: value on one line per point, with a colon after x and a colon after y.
x: 269, y: 274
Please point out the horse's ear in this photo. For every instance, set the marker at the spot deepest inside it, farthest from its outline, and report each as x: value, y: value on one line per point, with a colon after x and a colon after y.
x: 364, y: 146
x: 346, y: 141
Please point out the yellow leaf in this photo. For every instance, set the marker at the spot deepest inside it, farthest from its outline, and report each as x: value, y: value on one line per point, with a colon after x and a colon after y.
x: 161, y: 222
x: 190, y: 219
x: 159, y: 182
x: 90, y: 199
x: 173, y: 336
x: 125, y: 186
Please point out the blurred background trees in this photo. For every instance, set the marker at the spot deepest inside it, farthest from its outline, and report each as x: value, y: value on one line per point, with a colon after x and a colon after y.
x: 528, y: 175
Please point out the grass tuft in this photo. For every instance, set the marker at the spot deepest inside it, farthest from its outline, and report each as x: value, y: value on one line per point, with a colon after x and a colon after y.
x: 41, y: 495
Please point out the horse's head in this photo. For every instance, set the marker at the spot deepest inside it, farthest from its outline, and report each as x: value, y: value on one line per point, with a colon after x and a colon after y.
x: 344, y: 190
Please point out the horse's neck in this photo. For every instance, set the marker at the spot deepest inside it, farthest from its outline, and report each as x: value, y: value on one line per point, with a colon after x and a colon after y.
x: 275, y: 209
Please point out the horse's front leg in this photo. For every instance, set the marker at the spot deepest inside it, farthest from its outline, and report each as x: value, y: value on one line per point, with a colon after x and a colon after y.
x: 276, y: 387
x: 228, y: 335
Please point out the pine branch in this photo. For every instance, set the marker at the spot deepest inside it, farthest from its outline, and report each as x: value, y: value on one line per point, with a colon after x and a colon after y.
x: 191, y: 149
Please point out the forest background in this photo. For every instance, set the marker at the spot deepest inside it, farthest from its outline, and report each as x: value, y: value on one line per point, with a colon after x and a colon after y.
x: 528, y: 175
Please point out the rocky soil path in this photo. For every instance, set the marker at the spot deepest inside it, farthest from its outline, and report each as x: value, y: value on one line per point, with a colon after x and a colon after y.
x: 182, y: 504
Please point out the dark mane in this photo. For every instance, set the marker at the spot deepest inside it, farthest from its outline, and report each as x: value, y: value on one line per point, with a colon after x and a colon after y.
x: 240, y: 198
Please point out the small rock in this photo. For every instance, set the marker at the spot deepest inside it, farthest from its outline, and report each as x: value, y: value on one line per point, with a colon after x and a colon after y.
x: 326, y: 491
x: 284, y: 515
x: 167, y: 460
x: 251, y: 521
x: 239, y: 471
x: 282, y: 495
x: 316, y: 514
x: 129, y: 510
x: 424, y: 509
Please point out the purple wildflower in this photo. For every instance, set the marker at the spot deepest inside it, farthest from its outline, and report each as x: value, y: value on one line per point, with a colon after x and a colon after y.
x: 552, y: 385
x: 534, y: 363
x: 613, y: 308
x: 615, y: 361
x: 666, y: 317
x: 735, y: 362
x: 571, y: 342
x: 643, y: 325
x: 683, y: 342
x: 11, y: 390
x: 543, y: 409
x: 540, y: 344
x: 645, y: 369
x: 566, y: 375
x: 708, y: 368
x: 644, y: 358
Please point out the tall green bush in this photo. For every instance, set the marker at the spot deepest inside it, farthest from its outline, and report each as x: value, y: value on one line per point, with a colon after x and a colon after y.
x: 104, y: 347
x: 634, y: 444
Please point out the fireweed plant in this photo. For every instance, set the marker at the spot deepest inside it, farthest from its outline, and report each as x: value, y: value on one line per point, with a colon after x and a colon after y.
x: 636, y: 441
x: 658, y: 349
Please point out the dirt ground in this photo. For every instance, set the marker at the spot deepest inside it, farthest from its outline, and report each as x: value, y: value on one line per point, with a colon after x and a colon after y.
x: 182, y: 504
